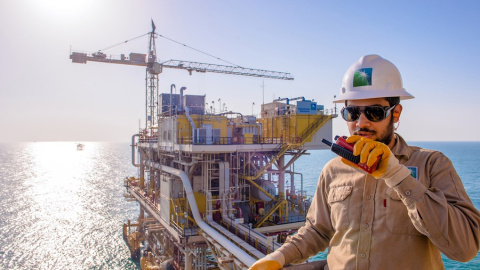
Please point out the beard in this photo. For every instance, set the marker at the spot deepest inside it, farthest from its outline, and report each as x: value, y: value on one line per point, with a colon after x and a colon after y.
x: 385, y: 137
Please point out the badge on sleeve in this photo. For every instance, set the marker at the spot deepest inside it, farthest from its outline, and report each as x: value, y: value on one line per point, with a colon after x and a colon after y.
x: 414, y: 171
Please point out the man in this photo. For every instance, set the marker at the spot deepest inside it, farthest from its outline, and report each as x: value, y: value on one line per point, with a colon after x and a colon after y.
x: 404, y: 214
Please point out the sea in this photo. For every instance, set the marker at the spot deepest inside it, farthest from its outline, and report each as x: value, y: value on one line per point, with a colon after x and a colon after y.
x: 61, y: 208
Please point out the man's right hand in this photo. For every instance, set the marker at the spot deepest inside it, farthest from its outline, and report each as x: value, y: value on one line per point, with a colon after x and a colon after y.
x: 389, y: 168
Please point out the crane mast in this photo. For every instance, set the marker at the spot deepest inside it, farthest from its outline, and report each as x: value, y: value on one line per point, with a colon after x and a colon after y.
x: 151, y: 89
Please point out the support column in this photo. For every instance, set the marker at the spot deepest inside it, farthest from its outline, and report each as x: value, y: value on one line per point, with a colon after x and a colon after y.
x: 152, y: 181
x: 140, y: 220
x: 142, y: 170
x: 188, y: 260
x: 281, y: 177
x: 281, y: 185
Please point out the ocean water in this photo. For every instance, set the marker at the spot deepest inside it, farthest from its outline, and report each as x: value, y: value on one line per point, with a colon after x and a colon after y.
x: 63, y: 209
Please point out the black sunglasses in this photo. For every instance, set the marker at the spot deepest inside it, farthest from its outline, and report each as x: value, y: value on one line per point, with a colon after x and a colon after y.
x: 373, y: 113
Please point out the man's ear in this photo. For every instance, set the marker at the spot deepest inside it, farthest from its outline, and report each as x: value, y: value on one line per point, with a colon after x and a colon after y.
x: 397, y: 112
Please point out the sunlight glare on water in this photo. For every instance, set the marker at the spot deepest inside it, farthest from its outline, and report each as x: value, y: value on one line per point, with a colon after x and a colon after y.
x: 61, y: 183
x: 62, y: 208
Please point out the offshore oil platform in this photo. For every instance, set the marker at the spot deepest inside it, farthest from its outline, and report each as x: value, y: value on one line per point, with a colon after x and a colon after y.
x: 215, y: 190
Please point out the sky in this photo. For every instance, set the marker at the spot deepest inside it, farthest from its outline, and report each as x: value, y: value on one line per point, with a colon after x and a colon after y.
x: 46, y: 97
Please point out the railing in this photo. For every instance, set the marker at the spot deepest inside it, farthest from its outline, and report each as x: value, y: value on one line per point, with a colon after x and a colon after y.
x: 228, y: 140
x: 192, y: 229
x: 223, y: 140
x: 308, y: 266
x: 233, y: 228
x: 245, y: 140
x: 232, y: 140
x: 149, y: 139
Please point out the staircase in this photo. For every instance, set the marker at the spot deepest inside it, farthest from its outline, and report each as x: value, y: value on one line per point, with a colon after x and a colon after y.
x: 284, y: 147
x: 313, y: 128
x: 269, y: 213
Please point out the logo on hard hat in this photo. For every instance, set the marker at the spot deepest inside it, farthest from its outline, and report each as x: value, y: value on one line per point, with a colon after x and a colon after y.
x: 362, y: 77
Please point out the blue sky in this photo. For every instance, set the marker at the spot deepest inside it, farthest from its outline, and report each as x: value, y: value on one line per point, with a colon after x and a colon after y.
x: 45, y: 97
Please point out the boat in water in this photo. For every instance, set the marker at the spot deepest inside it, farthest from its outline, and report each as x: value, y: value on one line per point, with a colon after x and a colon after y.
x: 215, y: 190
x: 80, y: 146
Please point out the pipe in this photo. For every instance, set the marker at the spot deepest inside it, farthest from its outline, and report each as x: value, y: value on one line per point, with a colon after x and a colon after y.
x: 171, y: 93
x: 194, y: 161
x: 230, y: 112
x: 181, y: 97
x: 166, y: 264
x: 297, y: 98
x: 133, y: 150
x: 231, y: 247
x: 187, y: 113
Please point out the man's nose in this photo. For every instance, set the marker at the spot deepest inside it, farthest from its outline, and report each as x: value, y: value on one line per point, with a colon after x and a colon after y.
x: 363, y: 121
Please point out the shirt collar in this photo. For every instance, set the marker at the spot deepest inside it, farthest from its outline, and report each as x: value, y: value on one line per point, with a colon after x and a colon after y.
x: 401, y: 148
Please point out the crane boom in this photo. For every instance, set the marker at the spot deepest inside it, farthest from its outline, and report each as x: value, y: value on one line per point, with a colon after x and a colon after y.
x: 82, y: 58
x: 79, y: 57
x: 235, y: 70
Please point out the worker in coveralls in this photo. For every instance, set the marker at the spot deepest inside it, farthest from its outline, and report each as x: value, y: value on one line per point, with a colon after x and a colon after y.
x: 405, y: 213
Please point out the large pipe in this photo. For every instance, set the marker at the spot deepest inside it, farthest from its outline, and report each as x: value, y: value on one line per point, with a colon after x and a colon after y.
x: 166, y: 264
x: 171, y: 93
x: 133, y: 150
x: 181, y: 97
x: 230, y: 112
x: 297, y: 98
x: 231, y: 247
x: 187, y: 113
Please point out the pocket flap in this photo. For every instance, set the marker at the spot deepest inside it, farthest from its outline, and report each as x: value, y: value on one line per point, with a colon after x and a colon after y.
x: 337, y: 194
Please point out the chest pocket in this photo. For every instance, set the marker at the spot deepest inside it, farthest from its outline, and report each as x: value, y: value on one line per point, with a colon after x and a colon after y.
x: 397, y: 221
x: 338, y: 200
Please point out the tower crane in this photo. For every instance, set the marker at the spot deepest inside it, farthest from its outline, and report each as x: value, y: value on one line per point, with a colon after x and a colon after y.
x: 154, y: 68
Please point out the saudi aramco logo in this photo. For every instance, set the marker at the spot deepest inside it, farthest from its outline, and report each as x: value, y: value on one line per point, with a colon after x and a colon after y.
x: 362, y: 77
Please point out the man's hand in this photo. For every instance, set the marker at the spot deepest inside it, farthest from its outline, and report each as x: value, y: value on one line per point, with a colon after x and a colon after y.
x: 266, y: 265
x: 369, y: 150
x: 273, y: 261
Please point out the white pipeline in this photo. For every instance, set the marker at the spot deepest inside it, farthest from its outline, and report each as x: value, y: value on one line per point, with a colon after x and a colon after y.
x: 227, y: 244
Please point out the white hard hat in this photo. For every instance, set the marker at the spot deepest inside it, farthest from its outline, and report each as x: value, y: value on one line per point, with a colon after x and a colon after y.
x: 372, y: 77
